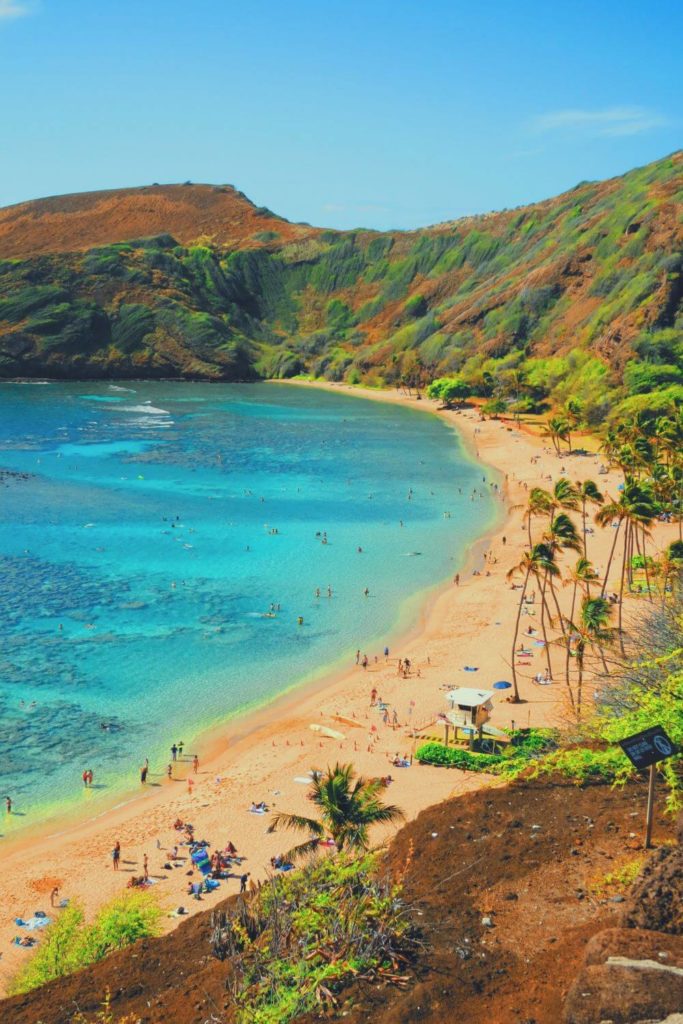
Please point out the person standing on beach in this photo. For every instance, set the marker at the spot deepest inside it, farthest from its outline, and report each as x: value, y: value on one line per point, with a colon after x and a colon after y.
x: 53, y: 895
x: 143, y: 773
x: 8, y: 804
x: 90, y: 777
x: 169, y: 772
x: 85, y: 777
x: 195, y: 764
x: 145, y: 867
x: 116, y: 855
x: 180, y: 748
x: 243, y: 881
x: 174, y: 752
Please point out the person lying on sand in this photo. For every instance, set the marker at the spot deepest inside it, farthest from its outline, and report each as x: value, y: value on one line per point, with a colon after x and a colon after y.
x: 259, y: 808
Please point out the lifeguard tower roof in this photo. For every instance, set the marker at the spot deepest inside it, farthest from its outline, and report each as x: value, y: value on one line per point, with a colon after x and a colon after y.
x: 467, y: 697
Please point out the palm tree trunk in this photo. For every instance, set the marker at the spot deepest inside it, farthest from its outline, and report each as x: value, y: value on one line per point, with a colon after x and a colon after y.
x: 579, y: 688
x: 585, y: 535
x: 515, y: 696
x: 621, y: 588
x: 601, y: 652
x: 544, y: 607
x: 609, y: 560
x: 647, y: 574
x: 568, y: 657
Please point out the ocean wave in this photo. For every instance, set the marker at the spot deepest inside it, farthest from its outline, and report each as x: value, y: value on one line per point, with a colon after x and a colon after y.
x: 148, y: 409
x: 114, y: 387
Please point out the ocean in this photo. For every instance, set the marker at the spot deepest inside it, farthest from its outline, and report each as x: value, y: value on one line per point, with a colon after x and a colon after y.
x: 161, y: 549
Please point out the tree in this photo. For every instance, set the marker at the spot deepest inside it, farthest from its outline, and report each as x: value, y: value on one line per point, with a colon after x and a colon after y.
x: 588, y: 493
x: 582, y: 575
x: 495, y: 407
x: 591, y: 630
x: 537, y: 563
x: 348, y: 807
x: 557, y: 429
x: 539, y: 503
x: 449, y: 390
x: 564, y: 495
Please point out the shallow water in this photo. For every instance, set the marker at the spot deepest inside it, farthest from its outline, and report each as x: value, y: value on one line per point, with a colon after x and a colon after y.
x: 138, y: 562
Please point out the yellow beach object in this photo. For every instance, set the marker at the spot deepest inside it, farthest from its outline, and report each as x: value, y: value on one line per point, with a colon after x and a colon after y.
x: 331, y: 734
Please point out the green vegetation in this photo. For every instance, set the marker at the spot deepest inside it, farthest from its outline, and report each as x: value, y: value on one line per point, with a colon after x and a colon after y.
x: 455, y: 757
x: 348, y: 806
x: 575, y: 299
x: 618, y: 881
x: 297, y: 943
x: 68, y: 944
x: 449, y: 390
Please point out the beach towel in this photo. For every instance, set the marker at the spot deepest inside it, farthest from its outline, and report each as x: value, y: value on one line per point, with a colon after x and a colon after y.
x: 38, y: 921
x: 201, y: 861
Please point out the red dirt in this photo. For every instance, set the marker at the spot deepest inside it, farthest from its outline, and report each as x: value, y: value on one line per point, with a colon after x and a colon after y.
x: 486, y: 860
x: 81, y: 221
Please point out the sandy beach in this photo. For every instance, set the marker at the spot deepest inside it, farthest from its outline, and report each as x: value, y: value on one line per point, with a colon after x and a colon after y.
x: 260, y: 758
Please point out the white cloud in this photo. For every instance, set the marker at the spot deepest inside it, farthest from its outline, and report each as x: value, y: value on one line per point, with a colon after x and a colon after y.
x: 611, y: 122
x: 13, y: 9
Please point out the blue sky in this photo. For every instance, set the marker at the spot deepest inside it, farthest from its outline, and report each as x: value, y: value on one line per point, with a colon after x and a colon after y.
x: 383, y: 113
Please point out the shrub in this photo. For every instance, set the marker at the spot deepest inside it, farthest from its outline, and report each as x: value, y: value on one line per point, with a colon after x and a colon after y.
x: 416, y: 306
x: 449, y: 390
x: 583, y: 764
x: 455, y: 757
x: 297, y: 944
x: 69, y: 944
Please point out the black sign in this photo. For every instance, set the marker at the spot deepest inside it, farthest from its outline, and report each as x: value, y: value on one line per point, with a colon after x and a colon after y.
x: 647, y: 747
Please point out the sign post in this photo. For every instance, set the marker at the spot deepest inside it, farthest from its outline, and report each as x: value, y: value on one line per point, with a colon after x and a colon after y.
x: 644, y: 749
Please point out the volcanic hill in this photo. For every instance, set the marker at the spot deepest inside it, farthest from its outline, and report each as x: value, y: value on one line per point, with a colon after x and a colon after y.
x: 578, y: 295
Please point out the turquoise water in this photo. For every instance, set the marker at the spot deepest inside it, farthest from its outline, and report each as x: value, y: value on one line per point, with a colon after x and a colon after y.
x: 138, y: 560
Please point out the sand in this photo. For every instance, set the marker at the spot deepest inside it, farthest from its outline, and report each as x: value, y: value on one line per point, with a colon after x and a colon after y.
x: 260, y: 757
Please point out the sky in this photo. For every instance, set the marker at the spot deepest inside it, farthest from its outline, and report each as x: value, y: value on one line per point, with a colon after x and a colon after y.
x: 375, y: 113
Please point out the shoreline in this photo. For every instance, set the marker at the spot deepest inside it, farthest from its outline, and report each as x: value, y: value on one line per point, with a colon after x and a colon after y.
x: 260, y: 754
x: 231, y: 732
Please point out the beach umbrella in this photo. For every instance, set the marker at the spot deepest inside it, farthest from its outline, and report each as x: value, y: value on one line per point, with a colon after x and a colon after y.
x: 502, y: 685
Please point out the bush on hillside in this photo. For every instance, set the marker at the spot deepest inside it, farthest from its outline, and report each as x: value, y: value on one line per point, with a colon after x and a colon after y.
x: 69, y: 944
x: 302, y: 939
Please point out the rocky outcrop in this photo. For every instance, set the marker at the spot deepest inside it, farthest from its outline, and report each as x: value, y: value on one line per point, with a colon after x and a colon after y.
x: 634, y: 974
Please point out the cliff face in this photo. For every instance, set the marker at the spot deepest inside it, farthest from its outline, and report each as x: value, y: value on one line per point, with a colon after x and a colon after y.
x: 195, y: 281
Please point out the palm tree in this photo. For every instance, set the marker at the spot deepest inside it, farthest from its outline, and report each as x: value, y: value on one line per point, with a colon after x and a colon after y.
x: 565, y: 496
x: 582, y: 575
x: 561, y: 536
x: 591, y: 630
x: 537, y: 562
x: 588, y: 493
x: 540, y: 502
x: 636, y: 508
x: 614, y: 510
x: 557, y: 429
x: 348, y: 807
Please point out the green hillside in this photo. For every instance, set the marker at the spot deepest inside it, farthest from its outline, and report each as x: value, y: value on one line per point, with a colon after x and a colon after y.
x: 579, y: 296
